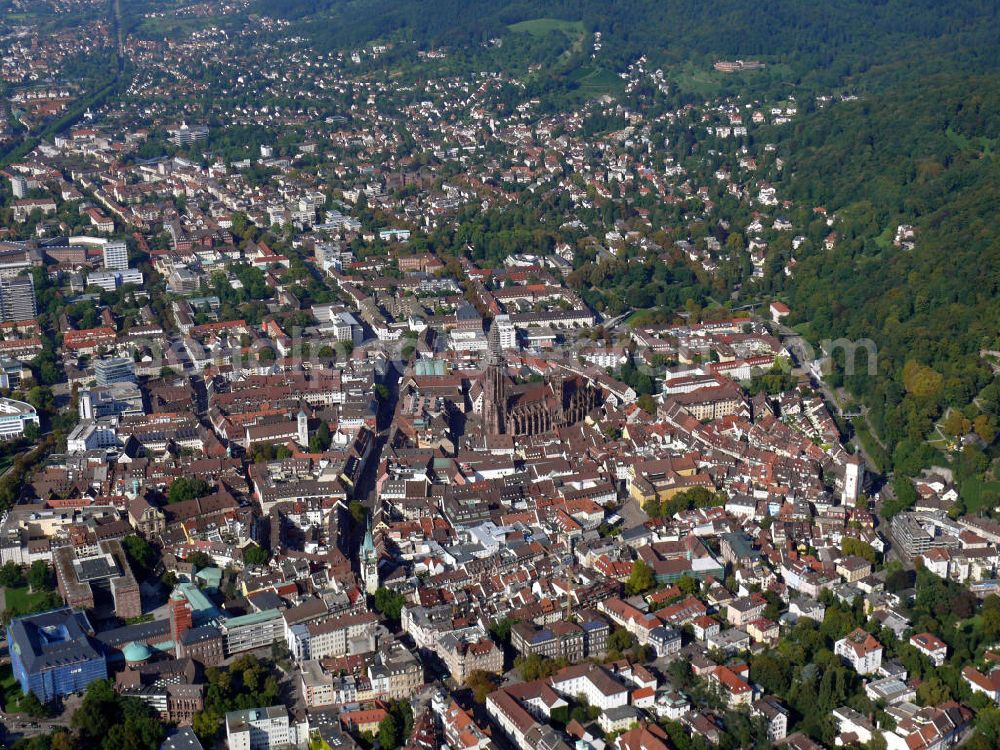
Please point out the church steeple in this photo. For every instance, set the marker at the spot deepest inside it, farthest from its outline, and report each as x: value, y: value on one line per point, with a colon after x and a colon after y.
x: 369, y: 561
x: 495, y: 386
x: 303, y: 426
x: 368, y: 545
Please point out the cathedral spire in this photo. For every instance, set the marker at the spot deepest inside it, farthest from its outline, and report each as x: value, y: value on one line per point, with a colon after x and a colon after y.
x: 495, y: 386
x: 494, y: 351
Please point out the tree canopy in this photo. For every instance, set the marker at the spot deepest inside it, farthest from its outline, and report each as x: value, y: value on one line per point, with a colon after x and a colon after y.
x: 187, y: 488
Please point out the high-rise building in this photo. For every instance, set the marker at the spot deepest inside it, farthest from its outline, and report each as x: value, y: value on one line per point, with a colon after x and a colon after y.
x: 19, y: 186
x: 118, y: 399
x: 185, y: 134
x: 114, y: 370
x: 17, y: 299
x: 506, y: 331
x: 116, y: 256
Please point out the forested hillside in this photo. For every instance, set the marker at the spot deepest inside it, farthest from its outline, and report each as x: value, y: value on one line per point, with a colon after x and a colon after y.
x: 827, y: 42
x: 928, y: 160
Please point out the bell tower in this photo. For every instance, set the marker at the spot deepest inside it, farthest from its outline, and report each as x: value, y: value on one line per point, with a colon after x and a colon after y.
x: 495, y: 387
x: 303, y: 424
x: 369, y: 562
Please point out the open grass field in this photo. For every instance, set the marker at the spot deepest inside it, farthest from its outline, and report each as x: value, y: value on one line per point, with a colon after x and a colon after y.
x: 573, y: 31
x: 21, y: 600
x: 543, y: 26
x: 707, y: 82
x: 979, y: 495
x: 884, y: 240
x: 595, y: 81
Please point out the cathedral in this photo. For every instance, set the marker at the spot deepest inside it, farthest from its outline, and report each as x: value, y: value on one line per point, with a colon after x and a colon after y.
x: 533, y: 408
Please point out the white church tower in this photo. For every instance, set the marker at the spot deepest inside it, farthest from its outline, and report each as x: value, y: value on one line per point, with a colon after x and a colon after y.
x: 369, y: 562
x: 854, y: 477
x: 303, y: 428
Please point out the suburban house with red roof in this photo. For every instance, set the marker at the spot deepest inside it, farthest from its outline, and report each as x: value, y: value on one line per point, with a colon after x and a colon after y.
x: 861, y: 650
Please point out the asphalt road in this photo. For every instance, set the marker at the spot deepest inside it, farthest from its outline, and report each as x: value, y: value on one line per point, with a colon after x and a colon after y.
x: 19, y: 725
x: 365, y: 490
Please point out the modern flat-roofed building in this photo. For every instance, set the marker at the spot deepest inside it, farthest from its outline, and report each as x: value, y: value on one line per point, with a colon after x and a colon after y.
x: 115, y: 256
x: 182, y: 739
x: 117, y: 399
x: 506, y: 331
x: 89, y: 435
x: 258, y: 729
x: 254, y: 630
x: 15, y: 416
x: 101, y: 581
x: 185, y: 134
x: 111, y: 280
x: 317, y: 685
x: 918, y: 532
x: 17, y: 299
x: 12, y: 373
x: 18, y: 186
x: 53, y: 654
x: 114, y: 370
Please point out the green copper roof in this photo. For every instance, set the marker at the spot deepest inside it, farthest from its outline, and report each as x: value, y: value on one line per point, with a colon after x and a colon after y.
x: 135, y: 652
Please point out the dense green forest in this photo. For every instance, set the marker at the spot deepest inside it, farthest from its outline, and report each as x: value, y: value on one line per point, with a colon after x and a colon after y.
x: 828, y: 42
x: 929, y: 161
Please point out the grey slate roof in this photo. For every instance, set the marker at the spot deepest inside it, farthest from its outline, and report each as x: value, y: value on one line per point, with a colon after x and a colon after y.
x: 52, y: 639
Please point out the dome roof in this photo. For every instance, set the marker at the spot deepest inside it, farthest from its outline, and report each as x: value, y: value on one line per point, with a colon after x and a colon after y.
x: 135, y: 652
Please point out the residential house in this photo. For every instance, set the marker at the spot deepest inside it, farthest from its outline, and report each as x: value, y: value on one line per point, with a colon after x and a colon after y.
x: 930, y: 646
x: 861, y: 650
